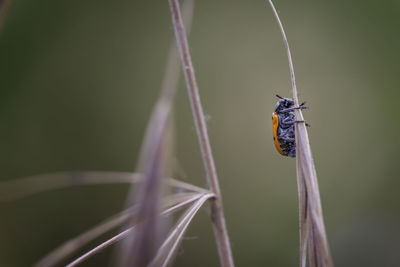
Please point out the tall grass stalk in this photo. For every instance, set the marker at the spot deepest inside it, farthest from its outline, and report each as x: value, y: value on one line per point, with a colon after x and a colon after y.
x: 312, y: 228
x: 217, y: 213
x: 155, y: 152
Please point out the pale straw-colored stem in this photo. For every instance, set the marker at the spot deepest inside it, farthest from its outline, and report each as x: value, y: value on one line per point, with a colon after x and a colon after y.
x: 128, y: 231
x: 28, y: 186
x: 217, y: 214
x: 67, y: 248
x: 169, y: 247
x: 140, y: 250
x: 312, y: 225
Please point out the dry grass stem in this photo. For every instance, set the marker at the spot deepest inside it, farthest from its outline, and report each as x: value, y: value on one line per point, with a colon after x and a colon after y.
x: 141, y: 248
x: 31, y: 185
x: 139, y: 251
x: 303, y: 221
x: 67, y: 248
x: 312, y: 226
x: 25, y: 187
x: 217, y: 213
x: 170, y: 245
x: 128, y: 231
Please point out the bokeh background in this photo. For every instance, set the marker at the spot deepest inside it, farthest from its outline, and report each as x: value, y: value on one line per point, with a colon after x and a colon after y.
x: 78, y: 80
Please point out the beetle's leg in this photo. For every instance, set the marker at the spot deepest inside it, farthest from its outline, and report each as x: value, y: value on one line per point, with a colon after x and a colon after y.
x: 293, y: 108
x: 288, y: 121
x: 301, y: 106
x: 286, y: 110
x: 308, y: 125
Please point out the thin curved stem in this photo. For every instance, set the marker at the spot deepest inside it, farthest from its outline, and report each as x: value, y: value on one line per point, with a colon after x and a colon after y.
x: 312, y: 226
x: 217, y: 213
x: 289, y: 55
x: 125, y: 233
x: 27, y: 186
x: 170, y: 245
x: 67, y: 248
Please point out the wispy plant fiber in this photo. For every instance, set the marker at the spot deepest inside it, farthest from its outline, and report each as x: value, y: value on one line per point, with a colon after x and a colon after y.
x: 28, y: 186
x: 129, y: 231
x: 67, y: 248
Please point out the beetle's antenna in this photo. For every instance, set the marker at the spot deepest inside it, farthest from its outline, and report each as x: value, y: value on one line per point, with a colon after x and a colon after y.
x: 278, y: 96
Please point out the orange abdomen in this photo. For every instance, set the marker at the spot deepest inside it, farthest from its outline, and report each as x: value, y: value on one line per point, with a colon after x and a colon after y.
x: 275, y: 125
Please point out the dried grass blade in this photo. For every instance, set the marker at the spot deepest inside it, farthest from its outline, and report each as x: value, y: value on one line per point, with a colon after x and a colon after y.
x: 100, y: 247
x: 126, y: 232
x: 322, y: 256
x: 306, y: 175
x: 72, y: 245
x: 170, y: 245
x: 140, y: 250
x: 312, y: 254
x: 303, y: 219
x: 183, y: 185
x: 217, y: 213
x: 27, y: 186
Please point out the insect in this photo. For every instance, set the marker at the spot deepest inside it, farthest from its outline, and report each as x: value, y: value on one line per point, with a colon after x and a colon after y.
x: 283, y: 121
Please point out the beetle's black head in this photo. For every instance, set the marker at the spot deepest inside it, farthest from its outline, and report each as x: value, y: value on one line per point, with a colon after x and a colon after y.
x: 283, y: 103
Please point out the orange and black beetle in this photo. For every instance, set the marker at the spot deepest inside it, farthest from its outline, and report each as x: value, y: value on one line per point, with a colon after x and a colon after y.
x: 283, y: 121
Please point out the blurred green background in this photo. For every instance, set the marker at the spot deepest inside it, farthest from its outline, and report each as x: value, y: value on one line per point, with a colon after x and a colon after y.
x: 78, y: 80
